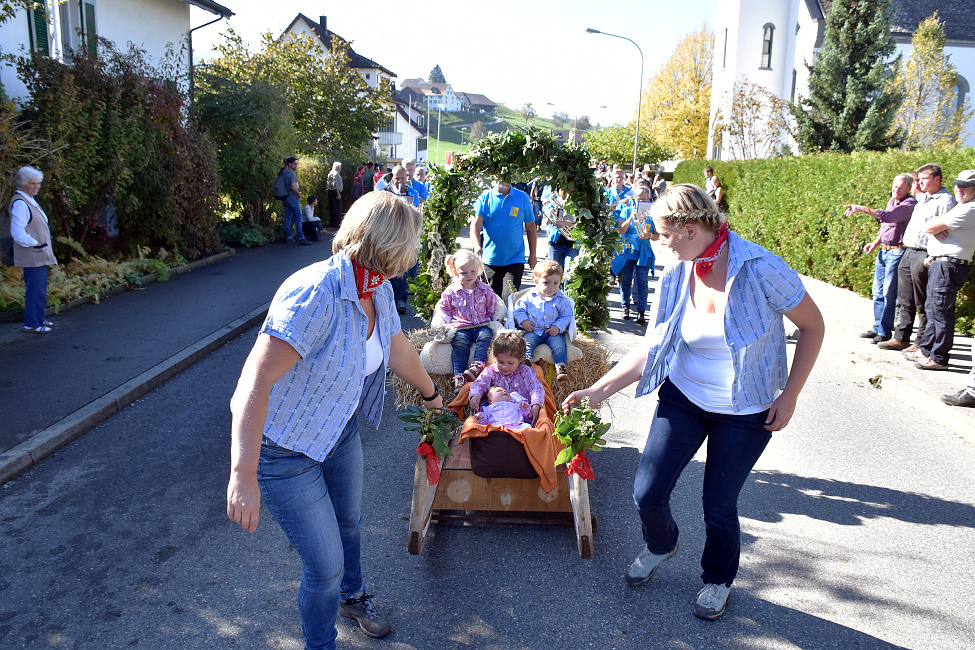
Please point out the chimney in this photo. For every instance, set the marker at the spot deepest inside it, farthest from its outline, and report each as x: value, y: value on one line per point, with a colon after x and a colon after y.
x: 322, y: 20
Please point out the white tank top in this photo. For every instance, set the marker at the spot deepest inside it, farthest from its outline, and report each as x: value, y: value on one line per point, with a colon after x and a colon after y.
x: 374, y: 351
x: 702, y: 368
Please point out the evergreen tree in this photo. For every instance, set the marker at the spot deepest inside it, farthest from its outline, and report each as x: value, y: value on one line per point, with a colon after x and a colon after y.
x: 436, y: 76
x: 852, y: 102
x: 930, y: 115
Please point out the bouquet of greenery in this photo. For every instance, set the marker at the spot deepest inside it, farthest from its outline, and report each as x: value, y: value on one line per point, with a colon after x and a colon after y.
x: 436, y: 427
x: 580, y: 430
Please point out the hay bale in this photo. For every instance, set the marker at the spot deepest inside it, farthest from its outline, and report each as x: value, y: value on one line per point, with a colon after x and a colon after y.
x: 582, y: 374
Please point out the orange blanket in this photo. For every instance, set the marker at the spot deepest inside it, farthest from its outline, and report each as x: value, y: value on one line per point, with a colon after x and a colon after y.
x: 540, y: 444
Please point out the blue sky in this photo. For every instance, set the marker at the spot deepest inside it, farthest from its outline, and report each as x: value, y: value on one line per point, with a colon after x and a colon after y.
x: 513, y: 52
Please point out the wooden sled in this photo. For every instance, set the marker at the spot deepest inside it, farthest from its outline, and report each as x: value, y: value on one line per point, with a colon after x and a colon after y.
x: 462, y: 495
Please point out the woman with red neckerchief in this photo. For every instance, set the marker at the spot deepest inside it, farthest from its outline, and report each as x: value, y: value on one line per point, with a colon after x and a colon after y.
x: 330, y: 334
x: 718, y: 353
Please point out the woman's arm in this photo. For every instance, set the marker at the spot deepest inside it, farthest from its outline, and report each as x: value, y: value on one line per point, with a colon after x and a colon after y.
x: 628, y: 370
x: 268, y: 361
x: 809, y: 320
x: 405, y: 362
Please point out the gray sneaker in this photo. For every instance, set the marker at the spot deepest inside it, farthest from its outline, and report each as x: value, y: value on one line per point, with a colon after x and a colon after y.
x: 645, y: 565
x: 370, y: 621
x: 712, y: 601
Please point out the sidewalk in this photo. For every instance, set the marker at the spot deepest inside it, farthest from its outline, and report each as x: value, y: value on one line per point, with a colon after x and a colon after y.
x: 101, y: 358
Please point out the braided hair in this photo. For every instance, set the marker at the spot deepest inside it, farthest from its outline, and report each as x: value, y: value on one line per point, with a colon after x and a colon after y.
x: 687, y: 203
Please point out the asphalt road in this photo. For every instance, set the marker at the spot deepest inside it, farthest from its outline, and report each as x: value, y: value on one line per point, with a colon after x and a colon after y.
x: 857, y: 533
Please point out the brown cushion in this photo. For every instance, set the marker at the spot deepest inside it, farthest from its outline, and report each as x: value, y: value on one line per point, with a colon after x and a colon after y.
x: 499, y: 455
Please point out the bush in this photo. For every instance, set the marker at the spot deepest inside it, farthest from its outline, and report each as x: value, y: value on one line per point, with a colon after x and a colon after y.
x: 240, y: 232
x: 794, y: 207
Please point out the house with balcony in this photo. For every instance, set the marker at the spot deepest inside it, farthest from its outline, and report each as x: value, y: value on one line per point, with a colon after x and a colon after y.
x: 56, y: 28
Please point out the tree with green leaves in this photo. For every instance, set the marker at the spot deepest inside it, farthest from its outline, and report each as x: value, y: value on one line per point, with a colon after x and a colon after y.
x: 852, y: 101
x: 614, y: 144
x: 930, y: 117
x: 560, y: 119
x: 757, y: 124
x: 333, y: 110
x: 436, y: 76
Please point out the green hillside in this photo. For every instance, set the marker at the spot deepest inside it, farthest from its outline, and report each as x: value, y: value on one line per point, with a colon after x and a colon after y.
x: 455, y: 128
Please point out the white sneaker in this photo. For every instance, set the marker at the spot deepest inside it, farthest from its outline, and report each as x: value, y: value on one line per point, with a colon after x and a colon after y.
x: 645, y: 565
x: 712, y: 601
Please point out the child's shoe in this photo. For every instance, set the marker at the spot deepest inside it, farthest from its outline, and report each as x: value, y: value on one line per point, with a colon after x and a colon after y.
x: 459, y: 382
x: 471, y: 373
x: 561, y: 372
x: 528, y: 361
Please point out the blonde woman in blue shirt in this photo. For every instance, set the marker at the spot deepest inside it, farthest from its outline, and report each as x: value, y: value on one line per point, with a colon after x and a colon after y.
x: 331, y: 332
x: 717, y: 351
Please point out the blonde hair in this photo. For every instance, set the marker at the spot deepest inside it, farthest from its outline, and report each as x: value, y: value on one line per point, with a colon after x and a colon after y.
x: 546, y: 268
x: 380, y: 232
x: 459, y: 259
x: 687, y: 203
x: 510, y: 342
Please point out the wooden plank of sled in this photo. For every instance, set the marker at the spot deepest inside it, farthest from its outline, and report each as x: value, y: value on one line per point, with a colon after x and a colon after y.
x: 422, y: 506
x: 579, y: 495
x: 464, y: 490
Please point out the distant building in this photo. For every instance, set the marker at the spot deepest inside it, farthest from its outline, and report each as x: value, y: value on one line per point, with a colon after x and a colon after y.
x: 770, y: 41
x: 434, y: 96
x: 478, y: 103
x: 370, y: 71
x: 57, y: 29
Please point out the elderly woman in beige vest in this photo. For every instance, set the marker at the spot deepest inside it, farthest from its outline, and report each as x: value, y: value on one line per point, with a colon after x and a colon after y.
x: 32, y: 246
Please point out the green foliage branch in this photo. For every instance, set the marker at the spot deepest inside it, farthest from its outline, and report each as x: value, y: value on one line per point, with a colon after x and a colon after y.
x: 580, y: 430
x: 435, y: 426
x: 514, y: 156
x: 614, y: 144
x: 793, y: 206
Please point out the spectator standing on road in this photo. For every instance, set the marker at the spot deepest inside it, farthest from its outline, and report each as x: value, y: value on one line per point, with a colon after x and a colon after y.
x: 383, y: 178
x: 659, y: 185
x: 561, y: 249
x: 322, y: 354
x: 536, y: 190
x: 634, y: 264
x: 334, y: 186
x: 399, y: 186
x: 419, y: 189
x: 420, y: 181
x: 912, y: 274
x: 32, y: 246
x: 712, y: 184
x: 501, y: 214
x: 368, y: 178
x: 890, y: 248
x: 286, y: 191
x: 718, y: 354
x: 950, y: 251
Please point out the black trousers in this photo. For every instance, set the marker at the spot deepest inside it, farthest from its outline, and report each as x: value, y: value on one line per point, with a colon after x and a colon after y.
x: 334, y: 209
x: 912, y: 293
x: 945, y: 280
x: 496, y: 276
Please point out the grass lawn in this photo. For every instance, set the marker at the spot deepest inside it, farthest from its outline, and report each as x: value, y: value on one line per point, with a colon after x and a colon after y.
x: 455, y: 128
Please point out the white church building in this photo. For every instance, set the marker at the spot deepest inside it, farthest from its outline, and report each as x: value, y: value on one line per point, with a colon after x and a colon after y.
x: 768, y: 42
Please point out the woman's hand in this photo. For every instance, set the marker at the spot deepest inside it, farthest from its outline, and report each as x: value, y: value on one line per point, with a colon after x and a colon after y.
x: 576, y: 397
x: 780, y: 412
x: 244, y: 501
x: 435, y: 403
x: 536, y: 409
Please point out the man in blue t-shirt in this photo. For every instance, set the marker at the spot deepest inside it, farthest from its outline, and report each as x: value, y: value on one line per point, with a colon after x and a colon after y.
x: 500, y: 215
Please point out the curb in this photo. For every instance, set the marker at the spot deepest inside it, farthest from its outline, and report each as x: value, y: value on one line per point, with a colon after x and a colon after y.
x: 925, y: 403
x: 152, y: 278
x: 46, y: 441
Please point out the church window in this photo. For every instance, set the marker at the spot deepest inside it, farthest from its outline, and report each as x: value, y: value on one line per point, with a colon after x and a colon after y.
x: 767, y: 46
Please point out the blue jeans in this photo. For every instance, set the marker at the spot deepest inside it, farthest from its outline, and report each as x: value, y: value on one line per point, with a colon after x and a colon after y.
x: 35, y: 295
x: 945, y: 280
x: 556, y: 342
x: 735, y: 443
x: 460, y: 352
x: 318, y: 506
x: 401, y: 284
x: 885, y: 290
x: 292, y: 216
x: 560, y: 253
x: 642, y: 287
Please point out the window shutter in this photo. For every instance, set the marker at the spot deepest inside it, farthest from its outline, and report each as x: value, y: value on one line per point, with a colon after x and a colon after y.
x: 89, y: 28
x: 37, y: 29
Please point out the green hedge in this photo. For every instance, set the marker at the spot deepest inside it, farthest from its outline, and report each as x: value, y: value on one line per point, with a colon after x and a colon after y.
x: 794, y: 207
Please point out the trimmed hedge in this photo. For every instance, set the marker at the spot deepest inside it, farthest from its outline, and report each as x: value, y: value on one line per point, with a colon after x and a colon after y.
x: 794, y: 207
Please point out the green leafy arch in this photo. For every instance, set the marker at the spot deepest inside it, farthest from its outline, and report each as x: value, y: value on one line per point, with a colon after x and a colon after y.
x: 515, y: 156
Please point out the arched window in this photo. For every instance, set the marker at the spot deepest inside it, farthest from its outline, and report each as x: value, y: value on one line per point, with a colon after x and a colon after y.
x: 962, y: 88
x: 767, y: 32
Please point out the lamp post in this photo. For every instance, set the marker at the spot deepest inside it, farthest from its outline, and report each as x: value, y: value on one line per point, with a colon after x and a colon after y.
x: 636, y: 143
x: 462, y: 129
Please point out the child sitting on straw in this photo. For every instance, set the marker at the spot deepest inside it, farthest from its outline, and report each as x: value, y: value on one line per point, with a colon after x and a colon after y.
x: 545, y: 313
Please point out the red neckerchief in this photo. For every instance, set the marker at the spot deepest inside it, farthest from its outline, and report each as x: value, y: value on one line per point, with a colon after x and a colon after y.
x: 366, y: 281
x: 703, y: 264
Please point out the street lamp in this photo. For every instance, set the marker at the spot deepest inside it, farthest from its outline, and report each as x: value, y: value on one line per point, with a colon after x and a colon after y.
x: 636, y: 143
x: 462, y: 129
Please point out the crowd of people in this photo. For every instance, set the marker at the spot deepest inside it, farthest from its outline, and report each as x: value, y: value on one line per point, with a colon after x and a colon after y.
x: 925, y: 246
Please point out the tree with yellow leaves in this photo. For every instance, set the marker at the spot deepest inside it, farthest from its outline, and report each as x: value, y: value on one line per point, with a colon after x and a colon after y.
x: 677, y: 100
x: 930, y: 115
